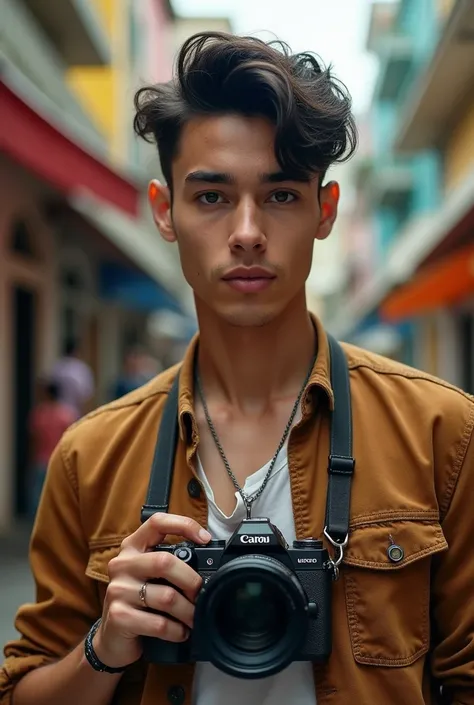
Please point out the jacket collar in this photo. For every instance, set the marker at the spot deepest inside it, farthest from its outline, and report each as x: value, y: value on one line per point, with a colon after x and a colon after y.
x: 319, y: 380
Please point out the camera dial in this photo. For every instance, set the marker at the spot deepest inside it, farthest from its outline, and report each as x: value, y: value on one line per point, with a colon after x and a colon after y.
x: 308, y: 543
x: 184, y: 553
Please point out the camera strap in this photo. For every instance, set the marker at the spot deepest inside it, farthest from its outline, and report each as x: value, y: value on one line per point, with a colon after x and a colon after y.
x: 341, y: 461
x: 340, y: 468
x: 159, y: 487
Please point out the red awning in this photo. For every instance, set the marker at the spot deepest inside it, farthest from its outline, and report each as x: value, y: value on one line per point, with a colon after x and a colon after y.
x: 446, y: 283
x: 36, y: 144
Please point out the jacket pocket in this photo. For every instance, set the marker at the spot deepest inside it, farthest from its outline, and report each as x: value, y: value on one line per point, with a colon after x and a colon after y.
x: 388, y: 598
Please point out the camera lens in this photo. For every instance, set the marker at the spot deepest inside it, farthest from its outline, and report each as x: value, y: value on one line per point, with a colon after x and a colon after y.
x: 251, y: 619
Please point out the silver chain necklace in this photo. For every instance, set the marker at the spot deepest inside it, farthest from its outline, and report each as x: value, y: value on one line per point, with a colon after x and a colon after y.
x: 248, y: 500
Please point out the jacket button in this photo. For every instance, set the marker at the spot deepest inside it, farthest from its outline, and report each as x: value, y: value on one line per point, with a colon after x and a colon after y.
x: 395, y: 553
x: 176, y: 695
x: 194, y: 488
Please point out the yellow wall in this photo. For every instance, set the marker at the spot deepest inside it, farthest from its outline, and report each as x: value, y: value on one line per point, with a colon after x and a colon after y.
x: 95, y: 87
x: 98, y: 87
x: 428, y: 361
x: 459, y: 157
x: 445, y: 7
x: 432, y: 348
x: 105, y: 8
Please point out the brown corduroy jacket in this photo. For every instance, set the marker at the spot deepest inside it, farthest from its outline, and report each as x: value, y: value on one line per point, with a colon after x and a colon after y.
x: 399, y: 629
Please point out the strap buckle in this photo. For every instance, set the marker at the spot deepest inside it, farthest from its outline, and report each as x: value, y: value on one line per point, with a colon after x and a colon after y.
x: 338, y: 557
x: 341, y: 465
x: 148, y: 510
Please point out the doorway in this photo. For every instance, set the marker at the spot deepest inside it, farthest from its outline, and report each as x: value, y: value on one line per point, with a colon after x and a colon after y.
x: 466, y: 325
x: 24, y: 346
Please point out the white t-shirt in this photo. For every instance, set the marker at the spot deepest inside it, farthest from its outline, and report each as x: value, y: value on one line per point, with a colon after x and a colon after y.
x: 294, y: 684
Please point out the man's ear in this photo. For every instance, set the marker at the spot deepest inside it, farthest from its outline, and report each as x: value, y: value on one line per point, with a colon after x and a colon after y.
x: 328, y: 201
x: 160, y: 202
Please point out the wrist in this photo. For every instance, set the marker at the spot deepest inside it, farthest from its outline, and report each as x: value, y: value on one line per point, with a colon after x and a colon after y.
x: 97, y: 656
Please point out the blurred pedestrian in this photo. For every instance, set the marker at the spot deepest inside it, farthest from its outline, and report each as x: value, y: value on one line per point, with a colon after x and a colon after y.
x: 138, y: 369
x: 48, y: 420
x: 74, y: 378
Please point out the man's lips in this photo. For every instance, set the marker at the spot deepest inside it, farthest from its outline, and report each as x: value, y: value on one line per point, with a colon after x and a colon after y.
x: 248, y: 273
x: 249, y: 279
x: 250, y: 286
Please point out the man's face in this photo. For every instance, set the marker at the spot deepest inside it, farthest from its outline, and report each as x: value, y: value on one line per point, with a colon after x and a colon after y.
x: 245, y: 231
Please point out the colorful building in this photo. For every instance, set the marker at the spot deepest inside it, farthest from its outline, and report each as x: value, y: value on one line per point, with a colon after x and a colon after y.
x: 421, y: 187
x: 78, y: 254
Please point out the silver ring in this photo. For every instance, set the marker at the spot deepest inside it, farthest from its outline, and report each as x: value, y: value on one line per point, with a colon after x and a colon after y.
x: 142, y: 595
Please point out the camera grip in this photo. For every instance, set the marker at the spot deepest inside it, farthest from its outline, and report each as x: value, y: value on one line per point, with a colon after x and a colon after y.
x: 318, y: 588
x: 157, y: 650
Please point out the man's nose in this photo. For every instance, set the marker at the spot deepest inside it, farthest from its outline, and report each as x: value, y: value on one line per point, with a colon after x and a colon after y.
x: 247, y: 232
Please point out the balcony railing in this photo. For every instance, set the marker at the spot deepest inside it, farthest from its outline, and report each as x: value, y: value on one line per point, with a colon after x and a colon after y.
x: 389, y: 182
x: 75, y: 28
x: 441, y: 86
x: 396, y: 56
x: 29, y: 59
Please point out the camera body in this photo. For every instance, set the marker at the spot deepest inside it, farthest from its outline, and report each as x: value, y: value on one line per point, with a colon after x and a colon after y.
x: 262, y: 604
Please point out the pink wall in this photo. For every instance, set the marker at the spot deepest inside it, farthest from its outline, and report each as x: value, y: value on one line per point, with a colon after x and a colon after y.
x: 360, y: 243
x: 156, y: 23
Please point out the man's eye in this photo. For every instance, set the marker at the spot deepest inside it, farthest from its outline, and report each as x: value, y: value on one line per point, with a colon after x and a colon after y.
x: 283, y: 197
x: 209, y: 198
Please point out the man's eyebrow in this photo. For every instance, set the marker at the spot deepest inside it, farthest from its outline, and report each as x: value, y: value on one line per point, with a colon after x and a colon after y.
x: 210, y: 177
x: 218, y: 177
x: 279, y: 177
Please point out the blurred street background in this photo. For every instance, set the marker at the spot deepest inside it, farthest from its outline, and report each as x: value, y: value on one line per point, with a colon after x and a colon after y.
x: 88, y: 288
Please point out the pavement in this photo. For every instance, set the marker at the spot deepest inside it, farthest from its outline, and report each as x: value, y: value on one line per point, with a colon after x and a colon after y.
x: 16, y: 581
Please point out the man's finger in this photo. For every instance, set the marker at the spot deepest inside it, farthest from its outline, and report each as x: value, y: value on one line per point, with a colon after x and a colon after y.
x: 144, y: 623
x: 155, y: 565
x: 154, y: 530
x: 165, y: 599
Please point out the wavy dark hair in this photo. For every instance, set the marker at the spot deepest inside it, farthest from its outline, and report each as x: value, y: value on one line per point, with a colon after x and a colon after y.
x: 218, y: 73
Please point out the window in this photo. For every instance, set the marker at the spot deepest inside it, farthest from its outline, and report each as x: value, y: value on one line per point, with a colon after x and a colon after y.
x: 72, y: 280
x: 21, y: 242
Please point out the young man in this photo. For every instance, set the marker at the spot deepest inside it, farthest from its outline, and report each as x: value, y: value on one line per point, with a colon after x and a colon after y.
x: 246, y: 133
x: 74, y: 378
x: 48, y: 421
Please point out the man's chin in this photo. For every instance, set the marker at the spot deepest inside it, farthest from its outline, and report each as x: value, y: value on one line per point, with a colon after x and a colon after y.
x: 239, y: 314
x: 248, y: 316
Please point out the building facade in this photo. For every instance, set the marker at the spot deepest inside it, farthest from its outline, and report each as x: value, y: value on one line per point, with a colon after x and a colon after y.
x: 78, y: 257
x: 420, y: 183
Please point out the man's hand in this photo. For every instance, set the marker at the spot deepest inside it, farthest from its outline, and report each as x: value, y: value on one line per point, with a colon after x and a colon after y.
x: 124, y: 620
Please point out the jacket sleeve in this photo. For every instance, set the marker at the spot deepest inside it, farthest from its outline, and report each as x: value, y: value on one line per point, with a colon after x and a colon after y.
x: 453, y: 584
x: 67, y: 603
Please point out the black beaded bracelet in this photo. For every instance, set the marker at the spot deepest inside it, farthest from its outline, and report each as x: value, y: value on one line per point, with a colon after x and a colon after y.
x: 92, y: 657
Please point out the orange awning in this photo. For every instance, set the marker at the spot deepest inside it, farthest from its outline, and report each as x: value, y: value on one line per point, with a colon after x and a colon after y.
x: 445, y: 283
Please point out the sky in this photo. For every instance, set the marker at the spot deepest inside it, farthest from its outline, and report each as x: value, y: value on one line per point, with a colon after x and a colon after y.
x: 334, y: 29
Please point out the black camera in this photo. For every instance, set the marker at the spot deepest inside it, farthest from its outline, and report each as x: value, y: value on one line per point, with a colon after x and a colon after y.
x: 262, y: 604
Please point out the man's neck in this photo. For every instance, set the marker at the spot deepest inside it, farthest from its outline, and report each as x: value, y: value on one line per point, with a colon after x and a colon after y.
x: 251, y: 367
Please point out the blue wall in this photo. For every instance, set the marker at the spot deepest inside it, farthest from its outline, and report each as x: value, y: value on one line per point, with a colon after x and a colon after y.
x: 416, y: 19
